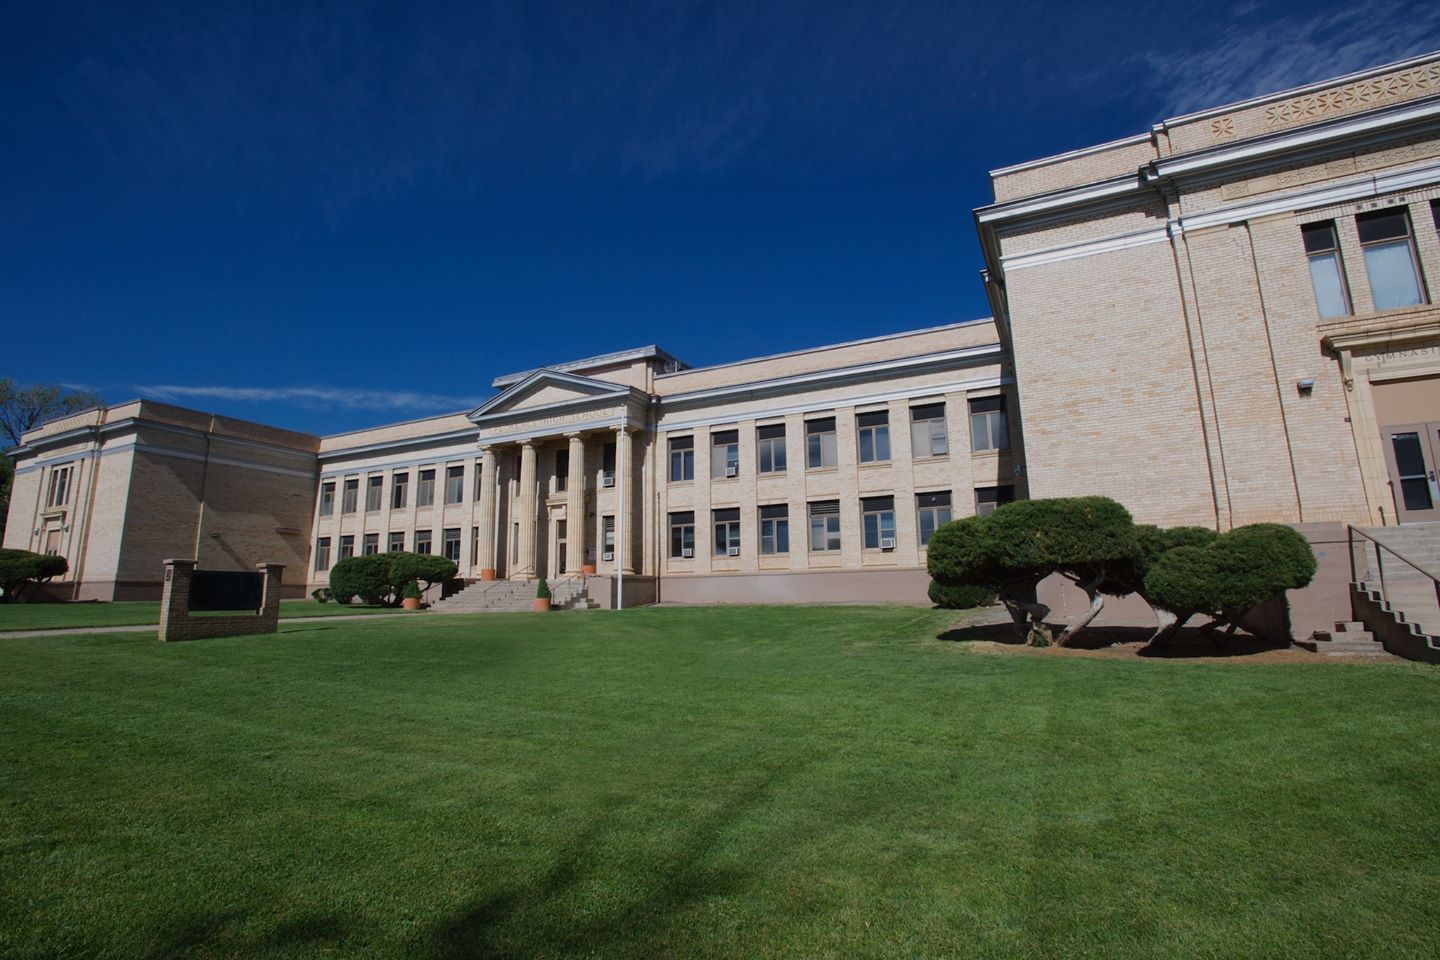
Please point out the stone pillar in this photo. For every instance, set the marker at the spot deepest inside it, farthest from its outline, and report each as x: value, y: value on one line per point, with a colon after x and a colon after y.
x: 175, y: 599
x: 489, y: 488
x: 270, y: 592
x: 624, y: 480
x: 575, y: 507
x: 529, y: 510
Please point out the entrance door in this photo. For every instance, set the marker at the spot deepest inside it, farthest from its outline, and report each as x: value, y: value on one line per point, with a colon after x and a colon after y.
x: 559, y: 548
x: 1411, y: 453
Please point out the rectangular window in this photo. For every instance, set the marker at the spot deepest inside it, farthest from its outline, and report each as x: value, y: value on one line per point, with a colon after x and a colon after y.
x: 874, y: 431
x: 474, y: 546
x: 327, y: 499
x: 988, y: 498
x: 322, y: 554
x: 451, y: 544
x: 399, y: 490
x: 397, y: 542
x: 425, y: 492
x: 775, y: 529
x: 607, y: 537
x: 350, y: 496
x: 455, y: 484
x: 562, y: 470
x: 988, y: 429
x: 1390, y: 258
x: 1435, y: 214
x: 607, y: 464
x: 682, y: 535
x: 59, y: 493
x: 770, y: 447
x: 1327, y: 271
x: 479, y: 478
x: 371, y: 545
x: 820, y: 448
x: 724, y: 454
x: 347, y: 547
x: 933, y: 511
x: 825, y: 526
x: 682, y: 459
x: 423, y: 541
x: 928, y: 437
x: 372, y: 493
x: 727, y: 532
x: 877, y: 516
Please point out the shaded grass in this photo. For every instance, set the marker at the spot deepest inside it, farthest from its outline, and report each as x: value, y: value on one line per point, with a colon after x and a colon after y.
x: 733, y: 782
x: 57, y: 616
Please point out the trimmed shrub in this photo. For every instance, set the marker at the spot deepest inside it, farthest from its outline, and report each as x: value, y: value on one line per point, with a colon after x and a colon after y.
x: 542, y: 590
x: 424, y: 567
x: 412, y: 591
x: 1233, y: 573
x: 365, y: 577
x: 960, y: 598
x: 21, y: 568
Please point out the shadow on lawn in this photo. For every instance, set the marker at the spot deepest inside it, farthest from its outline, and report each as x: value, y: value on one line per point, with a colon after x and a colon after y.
x: 1188, y: 644
x: 214, y: 931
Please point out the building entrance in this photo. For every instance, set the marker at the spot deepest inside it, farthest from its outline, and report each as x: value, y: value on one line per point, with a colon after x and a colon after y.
x: 1411, y: 452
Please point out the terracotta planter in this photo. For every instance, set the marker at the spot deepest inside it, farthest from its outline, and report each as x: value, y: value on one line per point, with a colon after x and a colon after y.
x: 488, y: 573
x: 411, y: 603
x: 540, y: 604
x: 587, y: 569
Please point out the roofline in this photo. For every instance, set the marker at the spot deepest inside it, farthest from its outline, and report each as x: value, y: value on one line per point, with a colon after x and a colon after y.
x: 397, y: 423
x: 1130, y: 141
x: 634, y: 353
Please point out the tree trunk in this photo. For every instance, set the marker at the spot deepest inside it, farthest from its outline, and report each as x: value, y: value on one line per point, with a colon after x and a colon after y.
x: 1030, y: 621
x: 1167, y: 622
x: 1097, y: 602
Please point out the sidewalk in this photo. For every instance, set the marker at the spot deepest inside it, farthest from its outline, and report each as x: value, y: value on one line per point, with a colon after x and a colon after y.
x: 153, y: 627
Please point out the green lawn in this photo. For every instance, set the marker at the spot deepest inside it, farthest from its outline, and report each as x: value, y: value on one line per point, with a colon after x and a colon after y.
x: 54, y: 616
x: 725, y: 782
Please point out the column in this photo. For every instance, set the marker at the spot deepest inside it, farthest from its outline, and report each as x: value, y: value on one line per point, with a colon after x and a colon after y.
x: 575, y: 524
x: 489, y: 488
x: 529, y: 509
x: 624, y: 480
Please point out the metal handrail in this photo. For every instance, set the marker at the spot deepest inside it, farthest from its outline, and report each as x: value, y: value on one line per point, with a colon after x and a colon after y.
x: 1380, y: 550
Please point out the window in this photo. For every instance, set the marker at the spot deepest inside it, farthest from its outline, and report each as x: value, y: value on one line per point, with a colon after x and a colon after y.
x: 397, y: 542
x: 877, y: 515
x: 399, y: 490
x: 874, y: 430
x: 1327, y: 272
x: 682, y: 534
x: 1390, y: 258
x: 347, y: 547
x: 775, y: 529
x: 475, y: 546
x: 422, y: 541
x: 372, y: 493
x: 607, y: 464
x: 607, y: 537
x: 322, y: 554
x: 725, y: 454
x: 455, y: 484
x: 682, y: 459
x: 933, y: 510
x: 825, y: 526
x: 371, y: 545
x: 927, y: 431
x: 479, y: 478
x: 820, y: 449
x: 988, y: 430
x: 988, y: 498
x: 770, y: 446
x: 727, y: 532
x: 562, y: 470
x: 1435, y: 214
x: 327, y: 499
x: 451, y: 544
x: 59, y: 493
x: 425, y: 493
x: 351, y: 494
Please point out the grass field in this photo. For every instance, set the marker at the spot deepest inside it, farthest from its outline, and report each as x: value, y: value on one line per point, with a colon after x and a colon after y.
x: 738, y: 782
x: 55, y: 616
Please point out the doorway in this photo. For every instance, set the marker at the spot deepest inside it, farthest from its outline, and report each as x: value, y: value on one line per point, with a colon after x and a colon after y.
x: 559, y: 552
x: 1411, y: 451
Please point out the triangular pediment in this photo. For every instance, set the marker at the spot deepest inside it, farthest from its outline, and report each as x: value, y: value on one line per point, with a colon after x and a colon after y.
x: 549, y: 389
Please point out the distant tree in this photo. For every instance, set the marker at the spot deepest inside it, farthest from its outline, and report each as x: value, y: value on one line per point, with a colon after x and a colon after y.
x: 7, y: 480
x: 24, y: 408
x: 20, y: 569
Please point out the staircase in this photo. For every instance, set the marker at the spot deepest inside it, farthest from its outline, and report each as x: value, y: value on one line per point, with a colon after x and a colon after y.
x: 490, y: 596
x: 1395, y: 587
x: 1348, y: 639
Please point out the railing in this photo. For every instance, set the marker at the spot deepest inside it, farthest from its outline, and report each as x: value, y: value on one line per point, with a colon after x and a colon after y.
x: 1380, y: 551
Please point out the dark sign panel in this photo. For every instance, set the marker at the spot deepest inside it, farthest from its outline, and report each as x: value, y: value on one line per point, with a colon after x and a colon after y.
x: 226, y: 590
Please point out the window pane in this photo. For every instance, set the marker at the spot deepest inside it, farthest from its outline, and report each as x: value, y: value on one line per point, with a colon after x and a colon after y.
x: 1319, y: 237
x: 1383, y: 225
x: 782, y: 536
x: 867, y: 446
x: 1391, y: 267
x: 882, y: 443
x: 939, y: 440
x: 1329, y: 288
x: 828, y: 450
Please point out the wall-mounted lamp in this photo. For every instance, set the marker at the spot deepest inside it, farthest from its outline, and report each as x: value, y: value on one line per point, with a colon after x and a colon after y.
x: 1306, y: 386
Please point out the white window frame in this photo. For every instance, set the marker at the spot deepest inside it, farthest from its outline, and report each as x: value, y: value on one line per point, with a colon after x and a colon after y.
x: 1368, y: 248
x: 824, y: 452
x: 774, y: 530
x: 682, y: 459
x: 872, y: 430
x: 883, y: 525
x: 686, y: 530
x: 825, y: 528
x: 989, y: 429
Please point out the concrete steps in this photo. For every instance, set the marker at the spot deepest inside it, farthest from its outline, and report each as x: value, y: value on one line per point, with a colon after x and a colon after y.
x: 493, y: 596
x: 1348, y: 639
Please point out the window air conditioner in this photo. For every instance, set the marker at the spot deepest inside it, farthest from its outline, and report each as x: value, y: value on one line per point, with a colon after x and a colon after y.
x: 687, y: 552
x: 607, y: 555
x: 733, y: 551
x: 887, y: 543
x: 607, y: 481
x: 732, y: 470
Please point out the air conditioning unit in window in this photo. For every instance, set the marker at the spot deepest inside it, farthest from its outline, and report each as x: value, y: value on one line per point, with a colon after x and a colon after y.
x: 732, y: 470
x: 733, y: 551
x: 887, y: 543
x: 607, y: 556
x: 687, y: 552
x: 607, y: 481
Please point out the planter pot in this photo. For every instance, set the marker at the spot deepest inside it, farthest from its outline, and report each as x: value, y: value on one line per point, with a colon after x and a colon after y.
x: 411, y: 603
x: 488, y: 573
x: 539, y: 604
x: 587, y: 569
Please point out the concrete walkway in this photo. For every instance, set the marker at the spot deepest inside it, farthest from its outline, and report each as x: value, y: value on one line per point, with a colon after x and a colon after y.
x: 154, y: 627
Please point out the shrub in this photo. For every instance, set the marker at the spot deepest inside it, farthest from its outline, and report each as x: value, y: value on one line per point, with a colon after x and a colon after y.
x: 365, y: 577
x: 412, y: 591
x: 21, y: 568
x: 960, y: 598
x: 542, y: 590
x: 424, y: 567
x: 321, y: 595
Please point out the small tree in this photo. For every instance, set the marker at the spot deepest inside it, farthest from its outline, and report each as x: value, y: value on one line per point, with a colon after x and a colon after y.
x: 365, y: 577
x: 412, y: 591
x: 425, y: 567
x: 20, y: 569
x: 1152, y: 543
x: 542, y: 590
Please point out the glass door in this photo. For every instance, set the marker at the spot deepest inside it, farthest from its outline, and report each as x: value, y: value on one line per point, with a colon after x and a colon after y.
x: 1410, y: 453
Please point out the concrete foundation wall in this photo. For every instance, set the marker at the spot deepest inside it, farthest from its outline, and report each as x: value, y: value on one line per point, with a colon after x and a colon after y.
x: 838, y: 586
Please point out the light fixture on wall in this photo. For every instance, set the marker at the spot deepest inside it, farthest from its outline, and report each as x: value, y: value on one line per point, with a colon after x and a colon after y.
x: 1305, y: 386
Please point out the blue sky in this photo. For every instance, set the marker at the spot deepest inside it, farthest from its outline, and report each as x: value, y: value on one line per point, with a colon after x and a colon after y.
x: 329, y: 216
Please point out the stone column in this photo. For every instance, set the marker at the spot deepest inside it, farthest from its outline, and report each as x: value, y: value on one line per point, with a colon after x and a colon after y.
x: 575, y: 507
x: 624, y: 480
x: 489, y: 487
x: 175, y: 599
x: 529, y: 510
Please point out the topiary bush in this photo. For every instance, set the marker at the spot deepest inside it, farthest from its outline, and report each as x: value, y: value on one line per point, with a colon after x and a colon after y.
x: 960, y: 598
x: 365, y: 577
x: 427, y: 568
x: 21, y: 569
x: 411, y: 591
x: 542, y: 590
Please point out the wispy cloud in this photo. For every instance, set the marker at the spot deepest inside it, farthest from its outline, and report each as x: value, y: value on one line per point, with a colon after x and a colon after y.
x: 326, y: 398
x: 1263, y: 55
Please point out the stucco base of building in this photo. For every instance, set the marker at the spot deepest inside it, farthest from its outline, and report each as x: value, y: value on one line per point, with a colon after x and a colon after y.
x: 604, y: 590
x: 828, y: 586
